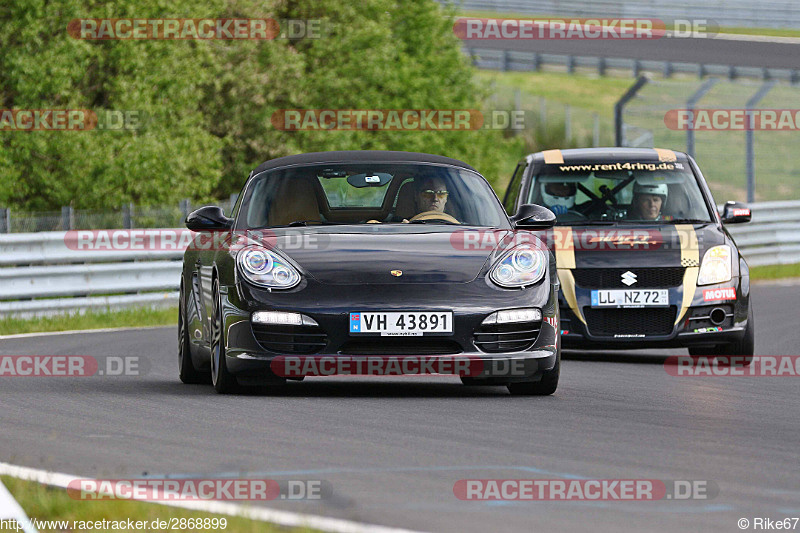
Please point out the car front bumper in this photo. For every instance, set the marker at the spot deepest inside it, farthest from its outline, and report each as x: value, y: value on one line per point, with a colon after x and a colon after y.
x: 253, y: 350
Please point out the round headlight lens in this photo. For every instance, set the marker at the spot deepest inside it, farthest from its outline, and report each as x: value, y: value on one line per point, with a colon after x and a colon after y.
x: 257, y: 262
x: 524, y: 260
x: 505, y: 273
x: 281, y: 275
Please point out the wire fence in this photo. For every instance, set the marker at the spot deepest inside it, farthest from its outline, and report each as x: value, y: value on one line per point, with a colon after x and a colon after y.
x: 128, y: 216
x: 551, y: 124
x: 769, y: 159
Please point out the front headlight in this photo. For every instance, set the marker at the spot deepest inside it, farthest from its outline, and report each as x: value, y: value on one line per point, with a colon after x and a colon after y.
x: 716, y: 266
x: 265, y: 268
x: 519, y: 267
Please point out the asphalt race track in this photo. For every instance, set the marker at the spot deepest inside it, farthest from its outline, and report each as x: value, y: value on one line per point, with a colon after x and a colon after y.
x: 392, y: 449
x: 741, y: 51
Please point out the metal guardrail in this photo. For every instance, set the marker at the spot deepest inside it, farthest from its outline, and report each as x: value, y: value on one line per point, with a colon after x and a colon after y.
x: 736, y: 13
x: 515, y: 60
x: 773, y: 237
x: 41, y: 275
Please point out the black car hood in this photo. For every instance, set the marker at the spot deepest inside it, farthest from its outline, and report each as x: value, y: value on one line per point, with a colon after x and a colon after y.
x: 359, y: 258
x: 643, y: 246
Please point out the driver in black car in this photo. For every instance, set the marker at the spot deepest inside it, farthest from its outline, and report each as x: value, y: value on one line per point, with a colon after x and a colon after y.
x: 430, y: 195
x: 430, y: 199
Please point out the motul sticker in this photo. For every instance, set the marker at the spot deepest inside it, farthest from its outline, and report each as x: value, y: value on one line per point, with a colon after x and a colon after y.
x: 727, y: 293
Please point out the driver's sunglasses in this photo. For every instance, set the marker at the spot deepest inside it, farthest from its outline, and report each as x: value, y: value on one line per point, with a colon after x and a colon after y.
x: 429, y: 194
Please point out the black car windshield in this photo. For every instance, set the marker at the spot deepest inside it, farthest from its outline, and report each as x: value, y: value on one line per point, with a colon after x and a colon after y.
x: 369, y: 193
x: 622, y: 192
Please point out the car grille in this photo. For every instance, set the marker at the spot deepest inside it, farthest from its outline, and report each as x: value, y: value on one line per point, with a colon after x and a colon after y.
x: 609, y: 322
x: 498, y: 338
x: 611, y: 278
x: 290, y: 339
x: 400, y: 346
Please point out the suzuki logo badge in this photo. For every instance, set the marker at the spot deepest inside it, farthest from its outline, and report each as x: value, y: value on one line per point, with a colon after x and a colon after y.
x: 629, y: 278
x: 397, y: 273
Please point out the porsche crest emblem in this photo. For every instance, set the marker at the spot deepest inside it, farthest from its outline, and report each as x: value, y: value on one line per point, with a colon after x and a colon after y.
x: 397, y: 273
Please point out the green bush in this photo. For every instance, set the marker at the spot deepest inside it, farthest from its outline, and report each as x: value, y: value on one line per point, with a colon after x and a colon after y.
x: 208, y: 103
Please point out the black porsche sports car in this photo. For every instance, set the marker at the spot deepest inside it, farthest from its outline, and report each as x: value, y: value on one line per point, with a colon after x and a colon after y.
x: 643, y: 255
x: 330, y: 259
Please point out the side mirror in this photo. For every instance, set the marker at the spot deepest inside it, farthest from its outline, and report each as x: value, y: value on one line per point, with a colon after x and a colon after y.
x: 735, y: 213
x: 532, y: 216
x: 208, y: 218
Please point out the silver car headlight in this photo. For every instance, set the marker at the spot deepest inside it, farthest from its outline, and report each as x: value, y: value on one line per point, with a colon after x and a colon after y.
x: 519, y: 267
x: 716, y: 266
x: 265, y: 268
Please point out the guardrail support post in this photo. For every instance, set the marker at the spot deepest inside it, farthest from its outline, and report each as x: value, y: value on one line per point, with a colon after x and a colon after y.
x: 5, y: 220
x: 570, y: 64
x: 751, y: 155
x: 536, y: 63
x: 620, y: 106
x: 67, y: 218
x: 185, y: 207
x: 668, y: 69
x: 601, y: 66
x: 637, y: 68
x: 127, y: 216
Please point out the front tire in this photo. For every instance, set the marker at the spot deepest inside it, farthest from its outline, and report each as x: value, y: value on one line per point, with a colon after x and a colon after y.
x: 187, y: 372
x: 224, y: 382
x: 544, y: 387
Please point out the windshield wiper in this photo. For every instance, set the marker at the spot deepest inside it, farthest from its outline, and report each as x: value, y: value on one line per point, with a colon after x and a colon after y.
x: 296, y: 223
x: 688, y: 221
x: 434, y: 221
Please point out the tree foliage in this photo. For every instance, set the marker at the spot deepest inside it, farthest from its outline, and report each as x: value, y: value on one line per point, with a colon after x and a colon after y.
x: 208, y: 104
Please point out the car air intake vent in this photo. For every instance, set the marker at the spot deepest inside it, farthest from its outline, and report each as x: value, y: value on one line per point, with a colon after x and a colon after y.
x: 498, y: 338
x: 610, y: 322
x: 611, y: 278
x: 290, y: 339
x: 400, y: 346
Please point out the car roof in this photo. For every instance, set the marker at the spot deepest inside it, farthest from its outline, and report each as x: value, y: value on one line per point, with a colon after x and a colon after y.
x: 365, y: 156
x: 611, y: 154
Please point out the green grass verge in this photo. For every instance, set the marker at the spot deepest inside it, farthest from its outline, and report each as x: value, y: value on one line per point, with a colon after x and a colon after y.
x: 771, y: 32
x: 140, y: 317
x: 50, y: 503
x: 775, y: 271
x: 593, y: 94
